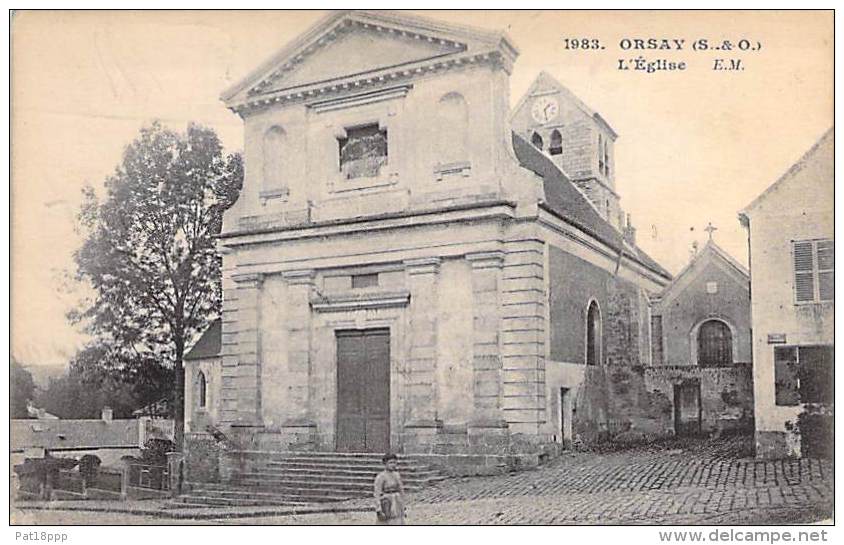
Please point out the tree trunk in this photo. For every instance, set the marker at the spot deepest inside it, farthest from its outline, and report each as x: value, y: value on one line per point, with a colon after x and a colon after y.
x: 179, y: 396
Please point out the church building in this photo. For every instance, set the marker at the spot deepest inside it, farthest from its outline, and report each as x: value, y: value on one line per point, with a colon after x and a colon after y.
x: 412, y: 267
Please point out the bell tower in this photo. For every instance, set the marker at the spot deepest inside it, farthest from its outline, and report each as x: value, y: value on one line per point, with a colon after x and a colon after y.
x: 578, y: 140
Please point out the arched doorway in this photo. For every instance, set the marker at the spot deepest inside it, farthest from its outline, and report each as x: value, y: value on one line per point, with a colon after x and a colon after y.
x: 714, y: 344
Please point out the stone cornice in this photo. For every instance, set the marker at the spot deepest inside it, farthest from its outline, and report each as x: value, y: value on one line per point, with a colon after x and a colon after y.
x: 248, y: 279
x: 302, y: 276
x: 463, y: 212
x: 423, y: 265
x: 486, y: 260
x: 360, y: 301
x: 335, y: 88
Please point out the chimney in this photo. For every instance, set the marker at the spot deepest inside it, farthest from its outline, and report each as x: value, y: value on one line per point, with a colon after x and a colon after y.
x: 630, y: 232
x: 108, y: 414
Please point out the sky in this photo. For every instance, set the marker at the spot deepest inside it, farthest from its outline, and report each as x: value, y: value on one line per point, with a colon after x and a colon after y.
x: 695, y: 146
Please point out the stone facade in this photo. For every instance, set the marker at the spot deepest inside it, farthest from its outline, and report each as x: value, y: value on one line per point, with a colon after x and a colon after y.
x: 795, y: 210
x: 452, y: 250
x: 713, y: 289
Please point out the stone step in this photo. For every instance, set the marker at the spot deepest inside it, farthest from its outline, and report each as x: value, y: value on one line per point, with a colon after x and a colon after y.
x: 337, y: 474
x: 316, y: 486
x: 346, y: 458
x: 294, y: 478
x: 307, y: 469
x: 373, y: 468
x: 276, y: 495
x: 206, y: 501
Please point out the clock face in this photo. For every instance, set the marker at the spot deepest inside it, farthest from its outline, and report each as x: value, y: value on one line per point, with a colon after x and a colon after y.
x: 544, y: 109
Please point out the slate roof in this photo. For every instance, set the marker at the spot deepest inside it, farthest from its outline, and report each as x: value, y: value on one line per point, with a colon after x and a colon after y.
x: 73, y: 433
x: 564, y: 200
x: 209, y: 344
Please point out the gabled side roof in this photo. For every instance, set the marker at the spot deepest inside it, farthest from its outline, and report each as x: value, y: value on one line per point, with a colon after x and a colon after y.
x: 453, y: 38
x: 209, y: 344
x: 546, y: 80
x: 710, y: 252
x: 564, y: 200
x: 791, y: 172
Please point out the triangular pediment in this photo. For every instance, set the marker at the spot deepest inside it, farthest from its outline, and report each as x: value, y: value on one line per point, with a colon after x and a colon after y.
x: 358, y: 43
x: 359, y: 51
x: 710, y: 256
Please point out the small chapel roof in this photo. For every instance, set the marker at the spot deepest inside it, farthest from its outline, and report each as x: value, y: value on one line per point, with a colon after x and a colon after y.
x: 563, y: 199
x: 209, y: 344
x: 709, y: 252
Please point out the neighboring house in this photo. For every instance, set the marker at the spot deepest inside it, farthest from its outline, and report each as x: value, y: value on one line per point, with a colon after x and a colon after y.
x: 792, y: 266
x: 106, y: 438
x: 404, y: 271
x: 701, y: 344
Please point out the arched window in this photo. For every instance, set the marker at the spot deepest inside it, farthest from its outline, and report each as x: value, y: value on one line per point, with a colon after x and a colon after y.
x: 454, y: 128
x: 202, y: 387
x: 606, y: 158
x: 274, y: 142
x: 715, y: 344
x: 593, y: 334
x: 600, y: 154
x: 536, y: 140
x: 556, y: 145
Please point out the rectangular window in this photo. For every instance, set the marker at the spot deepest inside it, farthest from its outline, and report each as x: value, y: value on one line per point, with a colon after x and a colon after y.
x: 656, y: 340
x: 803, y: 374
x: 363, y: 151
x: 364, y: 281
x: 814, y: 270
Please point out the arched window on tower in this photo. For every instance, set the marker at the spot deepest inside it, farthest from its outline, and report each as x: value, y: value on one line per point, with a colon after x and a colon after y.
x: 536, y: 140
x: 273, y: 172
x: 556, y: 145
x: 202, y: 389
x: 593, y: 335
x: 715, y: 344
x: 453, y: 136
x: 600, y: 154
x: 606, y: 158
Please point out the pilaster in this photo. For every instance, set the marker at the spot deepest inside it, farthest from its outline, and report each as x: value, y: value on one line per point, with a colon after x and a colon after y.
x: 422, y: 277
x: 523, y: 335
x: 486, y: 341
x: 300, y: 284
x: 240, y: 392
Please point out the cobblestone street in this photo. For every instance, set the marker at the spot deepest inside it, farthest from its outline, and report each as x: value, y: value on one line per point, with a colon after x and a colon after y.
x: 681, y: 482
x: 696, y: 482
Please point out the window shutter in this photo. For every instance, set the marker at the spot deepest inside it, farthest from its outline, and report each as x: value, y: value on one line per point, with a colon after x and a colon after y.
x: 804, y: 284
x: 826, y: 270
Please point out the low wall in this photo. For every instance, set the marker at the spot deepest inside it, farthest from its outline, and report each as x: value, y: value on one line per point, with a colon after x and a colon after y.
x: 726, y: 393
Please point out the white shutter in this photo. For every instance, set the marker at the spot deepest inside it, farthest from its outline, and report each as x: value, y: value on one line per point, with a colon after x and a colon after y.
x: 804, y: 281
x: 826, y: 270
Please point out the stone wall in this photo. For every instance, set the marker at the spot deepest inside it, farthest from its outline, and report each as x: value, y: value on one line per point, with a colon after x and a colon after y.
x: 726, y: 394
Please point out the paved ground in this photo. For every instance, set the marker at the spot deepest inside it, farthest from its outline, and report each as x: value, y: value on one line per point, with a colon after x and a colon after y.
x: 690, y: 482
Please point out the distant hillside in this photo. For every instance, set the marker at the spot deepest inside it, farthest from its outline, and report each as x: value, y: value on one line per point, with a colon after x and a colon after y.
x: 41, y: 374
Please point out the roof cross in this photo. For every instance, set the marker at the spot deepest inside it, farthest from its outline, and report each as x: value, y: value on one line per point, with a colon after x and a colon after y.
x: 710, y: 229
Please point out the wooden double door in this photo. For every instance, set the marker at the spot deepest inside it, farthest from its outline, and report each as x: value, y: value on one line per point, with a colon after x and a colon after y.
x: 363, y: 390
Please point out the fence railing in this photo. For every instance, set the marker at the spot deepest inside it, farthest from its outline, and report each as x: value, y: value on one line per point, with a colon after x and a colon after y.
x: 106, y: 479
x: 70, y: 481
x: 151, y: 477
